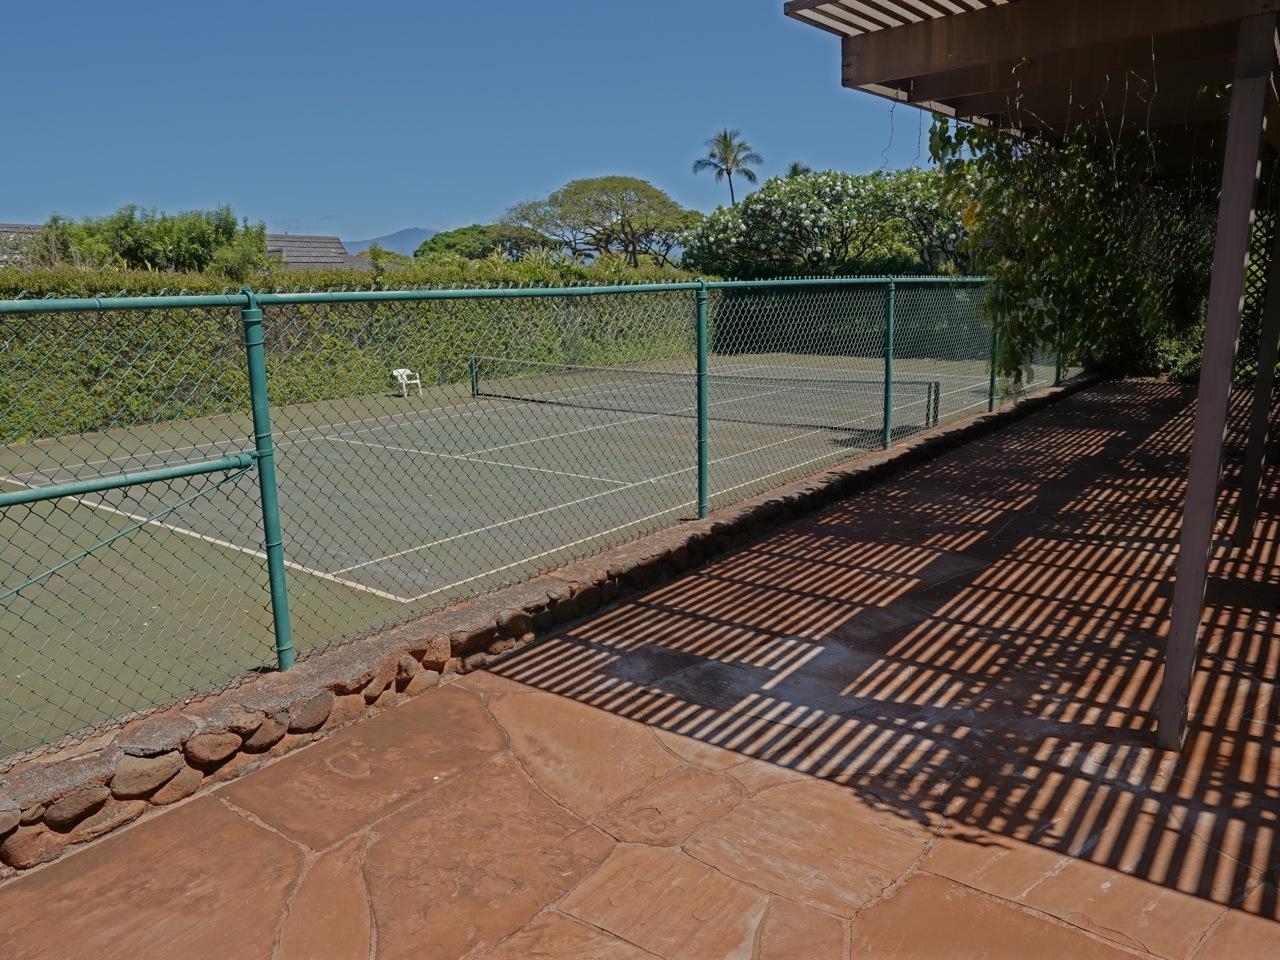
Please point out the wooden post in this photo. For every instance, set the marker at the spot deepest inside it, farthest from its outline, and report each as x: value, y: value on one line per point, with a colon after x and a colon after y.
x: 1260, y: 421
x: 1249, y: 94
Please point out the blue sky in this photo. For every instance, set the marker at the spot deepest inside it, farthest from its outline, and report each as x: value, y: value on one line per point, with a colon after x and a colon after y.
x: 362, y: 118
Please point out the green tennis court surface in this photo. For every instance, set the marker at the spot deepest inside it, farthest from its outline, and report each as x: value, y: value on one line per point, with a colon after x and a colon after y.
x: 392, y: 505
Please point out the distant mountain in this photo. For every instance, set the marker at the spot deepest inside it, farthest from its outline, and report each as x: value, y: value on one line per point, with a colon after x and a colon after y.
x: 402, y: 241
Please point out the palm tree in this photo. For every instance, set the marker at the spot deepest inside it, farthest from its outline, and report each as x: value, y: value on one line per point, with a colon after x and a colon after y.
x: 729, y: 154
x: 798, y: 169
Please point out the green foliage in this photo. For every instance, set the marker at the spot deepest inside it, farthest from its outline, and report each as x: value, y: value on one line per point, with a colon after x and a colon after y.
x: 603, y: 216
x: 137, y: 239
x: 81, y: 371
x: 1088, y: 243
x: 382, y: 260
x: 479, y: 241
x: 728, y: 155
x: 539, y: 268
x: 798, y: 169
x: 831, y: 224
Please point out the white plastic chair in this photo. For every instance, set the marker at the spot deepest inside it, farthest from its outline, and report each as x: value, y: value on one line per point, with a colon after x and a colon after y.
x: 407, y: 378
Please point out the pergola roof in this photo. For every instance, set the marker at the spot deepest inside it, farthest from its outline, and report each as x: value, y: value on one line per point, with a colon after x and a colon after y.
x: 1038, y: 65
x: 849, y: 18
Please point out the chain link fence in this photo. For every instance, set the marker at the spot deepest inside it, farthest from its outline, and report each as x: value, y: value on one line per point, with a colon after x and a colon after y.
x: 426, y: 446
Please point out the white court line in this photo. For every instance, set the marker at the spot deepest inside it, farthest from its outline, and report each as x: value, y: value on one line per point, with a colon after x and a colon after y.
x: 414, y: 418
x: 818, y: 459
x: 547, y: 553
x: 471, y: 459
x: 596, y: 496
x: 249, y: 551
x: 679, y: 411
x: 278, y: 435
x: 411, y: 419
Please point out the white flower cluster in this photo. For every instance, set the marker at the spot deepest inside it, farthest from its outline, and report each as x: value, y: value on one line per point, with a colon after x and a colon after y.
x: 811, y: 220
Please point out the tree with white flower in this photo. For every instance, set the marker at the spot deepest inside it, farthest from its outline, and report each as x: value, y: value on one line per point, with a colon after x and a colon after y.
x: 831, y: 223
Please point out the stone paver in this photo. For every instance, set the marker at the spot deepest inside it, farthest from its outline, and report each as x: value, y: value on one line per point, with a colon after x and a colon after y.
x: 199, y: 882
x: 1242, y: 937
x: 555, y: 937
x: 914, y: 726
x: 329, y: 915
x: 585, y: 758
x: 318, y: 797
x: 792, y: 931
x: 815, y: 842
x: 934, y: 919
x: 666, y: 812
x: 472, y: 862
x: 670, y: 904
x: 1128, y: 910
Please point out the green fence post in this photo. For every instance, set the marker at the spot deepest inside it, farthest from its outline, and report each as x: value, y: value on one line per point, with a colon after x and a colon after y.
x: 255, y: 353
x: 1057, y: 364
x: 473, y: 365
x: 890, y: 303
x: 995, y: 350
x: 703, y: 403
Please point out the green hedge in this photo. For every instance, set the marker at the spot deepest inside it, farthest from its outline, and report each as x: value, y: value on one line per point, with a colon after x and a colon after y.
x: 71, y: 373
x: 432, y: 272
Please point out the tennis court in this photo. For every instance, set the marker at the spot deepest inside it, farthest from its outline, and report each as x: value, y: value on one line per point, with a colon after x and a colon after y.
x: 447, y: 491
x: 550, y: 424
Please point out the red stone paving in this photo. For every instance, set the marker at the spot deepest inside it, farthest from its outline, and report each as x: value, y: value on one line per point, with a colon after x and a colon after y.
x: 916, y: 725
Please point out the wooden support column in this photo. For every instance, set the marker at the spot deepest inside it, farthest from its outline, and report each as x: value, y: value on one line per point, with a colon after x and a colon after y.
x: 1249, y: 95
x: 1260, y: 421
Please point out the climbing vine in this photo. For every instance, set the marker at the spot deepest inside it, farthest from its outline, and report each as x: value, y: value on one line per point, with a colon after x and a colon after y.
x: 1089, y: 241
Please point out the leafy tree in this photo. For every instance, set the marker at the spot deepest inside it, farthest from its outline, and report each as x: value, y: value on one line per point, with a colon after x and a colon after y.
x: 479, y: 241
x: 830, y: 223
x: 138, y: 239
x: 245, y: 257
x: 729, y: 154
x: 1089, y: 243
x: 594, y: 218
x: 798, y: 169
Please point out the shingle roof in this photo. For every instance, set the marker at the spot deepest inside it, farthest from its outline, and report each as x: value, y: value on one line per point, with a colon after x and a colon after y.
x: 12, y: 237
x: 302, y: 252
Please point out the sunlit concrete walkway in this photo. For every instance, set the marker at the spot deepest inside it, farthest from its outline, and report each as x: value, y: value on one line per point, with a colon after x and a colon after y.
x: 916, y: 726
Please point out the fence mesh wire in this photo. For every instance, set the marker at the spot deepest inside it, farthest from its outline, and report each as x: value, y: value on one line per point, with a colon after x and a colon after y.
x: 117, y: 600
x: 525, y: 428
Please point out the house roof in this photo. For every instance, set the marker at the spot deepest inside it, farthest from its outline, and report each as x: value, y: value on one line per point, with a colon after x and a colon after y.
x: 303, y: 252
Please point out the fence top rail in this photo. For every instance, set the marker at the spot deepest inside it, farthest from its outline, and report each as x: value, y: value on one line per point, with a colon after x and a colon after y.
x: 86, y: 304
x: 243, y: 299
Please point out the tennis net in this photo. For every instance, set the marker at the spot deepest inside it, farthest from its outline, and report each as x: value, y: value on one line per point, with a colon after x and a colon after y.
x: 801, y: 402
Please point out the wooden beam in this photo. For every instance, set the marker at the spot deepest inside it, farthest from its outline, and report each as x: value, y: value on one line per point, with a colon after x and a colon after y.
x: 1249, y: 94
x: 1131, y: 96
x: 1027, y: 29
x: 1146, y: 56
x: 1260, y: 419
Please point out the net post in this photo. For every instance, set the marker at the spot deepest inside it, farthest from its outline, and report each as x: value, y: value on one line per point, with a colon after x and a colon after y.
x: 264, y: 453
x: 890, y: 304
x: 995, y: 349
x: 936, y: 407
x: 703, y: 405
x: 473, y: 367
x: 1057, y: 363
